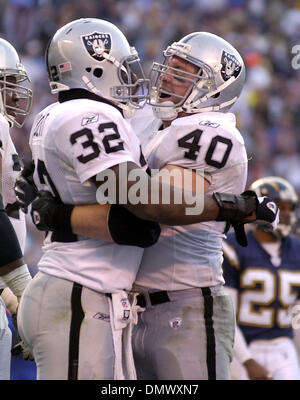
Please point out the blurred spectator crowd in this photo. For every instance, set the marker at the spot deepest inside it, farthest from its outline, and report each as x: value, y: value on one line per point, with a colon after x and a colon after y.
x: 264, y: 31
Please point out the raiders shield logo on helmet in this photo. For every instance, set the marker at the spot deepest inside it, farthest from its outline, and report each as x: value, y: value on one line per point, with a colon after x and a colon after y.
x: 230, y: 66
x: 97, y: 44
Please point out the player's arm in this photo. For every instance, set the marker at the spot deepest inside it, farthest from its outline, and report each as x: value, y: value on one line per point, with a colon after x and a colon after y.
x: 220, y: 207
x: 96, y: 221
x: 91, y: 221
x: 167, y: 210
x: 113, y: 223
x: 13, y: 270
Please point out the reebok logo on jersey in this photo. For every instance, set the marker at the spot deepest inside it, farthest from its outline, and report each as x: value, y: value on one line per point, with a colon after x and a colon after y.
x: 89, y: 119
x: 97, y: 44
x: 210, y: 124
x: 103, y: 317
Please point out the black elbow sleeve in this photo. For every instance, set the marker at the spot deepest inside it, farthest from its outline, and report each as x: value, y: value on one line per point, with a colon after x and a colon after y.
x: 127, y: 229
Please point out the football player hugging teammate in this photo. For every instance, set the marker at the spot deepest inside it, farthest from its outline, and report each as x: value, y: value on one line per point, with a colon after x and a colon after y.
x: 82, y: 296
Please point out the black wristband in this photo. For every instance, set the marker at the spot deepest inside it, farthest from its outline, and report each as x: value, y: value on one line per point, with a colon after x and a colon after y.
x: 234, y: 208
x: 61, y: 218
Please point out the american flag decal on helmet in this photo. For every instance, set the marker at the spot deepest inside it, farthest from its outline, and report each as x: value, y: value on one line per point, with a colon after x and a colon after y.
x: 65, y: 67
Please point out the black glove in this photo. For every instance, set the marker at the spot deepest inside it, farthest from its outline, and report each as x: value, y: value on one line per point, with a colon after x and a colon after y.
x: 236, y: 208
x: 48, y: 214
x: 25, y: 188
x: 267, y: 211
x: 127, y: 229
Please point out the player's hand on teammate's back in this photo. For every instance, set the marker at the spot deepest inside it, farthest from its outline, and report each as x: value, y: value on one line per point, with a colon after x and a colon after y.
x: 25, y: 188
x: 246, y: 208
x: 266, y: 211
x: 42, y: 210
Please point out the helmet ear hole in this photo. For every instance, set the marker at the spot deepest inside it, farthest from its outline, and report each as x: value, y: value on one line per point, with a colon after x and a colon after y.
x: 88, y: 69
x: 98, y: 72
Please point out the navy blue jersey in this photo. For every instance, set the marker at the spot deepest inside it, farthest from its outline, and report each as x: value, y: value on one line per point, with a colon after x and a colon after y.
x: 265, y: 292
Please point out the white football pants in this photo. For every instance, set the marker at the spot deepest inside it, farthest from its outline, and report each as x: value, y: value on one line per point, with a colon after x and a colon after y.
x: 279, y: 356
x: 67, y: 329
x: 189, y: 337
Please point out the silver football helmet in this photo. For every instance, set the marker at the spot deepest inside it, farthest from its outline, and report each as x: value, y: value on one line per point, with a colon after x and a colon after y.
x: 281, y: 191
x: 15, y: 98
x: 215, y: 87
x: 94, y: 55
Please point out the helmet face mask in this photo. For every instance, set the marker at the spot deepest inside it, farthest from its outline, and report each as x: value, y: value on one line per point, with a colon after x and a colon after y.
x: 163, y: 70
x: 94, y: 55
x: 15, y: 94
x: 201, y: 81
x: 286, y: 198
x: 132, y: 90
x: 215, y: 86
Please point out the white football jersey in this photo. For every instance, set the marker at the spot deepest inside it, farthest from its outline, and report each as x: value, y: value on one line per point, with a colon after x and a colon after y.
x: 191, y: 255
x: 72, y: 142
x: 9, y: 170
x: 144, y: 124
x: 10, y: 165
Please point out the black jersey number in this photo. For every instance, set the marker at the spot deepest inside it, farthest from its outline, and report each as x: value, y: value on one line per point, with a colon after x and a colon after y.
x: 88, y: 143
x: 209, y: 155
x: 114, y: 136
x: 191, y: 142
x: 43, y: 173
x: 95, y: 151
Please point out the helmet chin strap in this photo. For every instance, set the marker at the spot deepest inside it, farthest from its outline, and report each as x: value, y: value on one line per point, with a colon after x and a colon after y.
x: 166, y: 113
x: 90, y: 86
x: 128, y: 110
x: 169, y: 111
